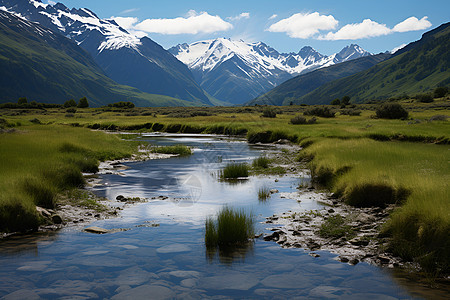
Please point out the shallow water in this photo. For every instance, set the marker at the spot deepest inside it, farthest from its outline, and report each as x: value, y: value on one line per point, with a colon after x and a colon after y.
x: 170, y: 260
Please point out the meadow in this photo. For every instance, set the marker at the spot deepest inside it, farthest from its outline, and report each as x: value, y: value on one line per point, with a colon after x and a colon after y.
x: 364, y: 160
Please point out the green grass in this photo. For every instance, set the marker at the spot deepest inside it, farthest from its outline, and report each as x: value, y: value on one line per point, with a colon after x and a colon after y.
x: 336, y: 227
x: 263, y: 193
x: 261, y: 162
x: 234, y: 171
x: 180, y: 150
x: 230, y: 228
x: 357, y: 157
x: 39, y: 162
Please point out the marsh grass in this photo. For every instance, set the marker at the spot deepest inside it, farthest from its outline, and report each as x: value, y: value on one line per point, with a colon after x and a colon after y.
x: 230, y: 228
x: 180, y: 150
x: 234, y: 171
x: 40, y: 161
x: 414, y: 176
x: 263, y: 193
x: 261, y: 162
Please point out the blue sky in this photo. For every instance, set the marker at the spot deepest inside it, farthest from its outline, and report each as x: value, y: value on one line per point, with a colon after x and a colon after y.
x: 286, y: 25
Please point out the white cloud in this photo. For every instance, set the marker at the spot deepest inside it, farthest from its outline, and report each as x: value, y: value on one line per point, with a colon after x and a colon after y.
x: 51, y: 2
x: 194, y: 23
x: 397, y: 48
x: 273, y: 16
x: 366, y: 29
x: 412, y: 24
x: 304, y: 26
x: 369, y: 28
x: 128, y: 23
x: 244, y: 15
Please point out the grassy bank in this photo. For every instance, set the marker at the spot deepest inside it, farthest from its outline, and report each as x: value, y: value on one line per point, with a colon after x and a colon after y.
x: 414, y: 176
x: 38, y: 162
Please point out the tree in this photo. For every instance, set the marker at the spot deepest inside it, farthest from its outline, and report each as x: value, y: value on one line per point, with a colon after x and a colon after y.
x: 345, y: 100
x: 83, y: 103
x: 70, y: 103
x: 336, y: 102
x: 22, y: 100
x: 440, y: 92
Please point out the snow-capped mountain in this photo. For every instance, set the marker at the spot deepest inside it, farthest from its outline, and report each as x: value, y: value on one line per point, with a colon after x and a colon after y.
x: 237, y: 71
x: 127, y: 59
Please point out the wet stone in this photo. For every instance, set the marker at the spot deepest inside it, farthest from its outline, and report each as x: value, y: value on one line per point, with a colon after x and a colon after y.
x: 97, y: 230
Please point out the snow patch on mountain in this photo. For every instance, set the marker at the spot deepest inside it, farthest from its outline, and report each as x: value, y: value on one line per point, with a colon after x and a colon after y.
x: 209, y: 54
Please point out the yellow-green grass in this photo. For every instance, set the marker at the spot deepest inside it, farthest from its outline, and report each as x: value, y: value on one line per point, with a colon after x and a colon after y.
x: 40, y: 161
x: 367, y: 172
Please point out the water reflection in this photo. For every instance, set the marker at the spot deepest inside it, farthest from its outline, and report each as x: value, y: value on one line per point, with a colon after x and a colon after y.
x: 228, y: 255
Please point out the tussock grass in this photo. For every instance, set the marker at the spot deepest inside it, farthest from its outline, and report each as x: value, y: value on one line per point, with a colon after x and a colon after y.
x: 181, y: 150
x: 234, y: 171
x: 40, y: 161
x: 414, y: 175
x: 230, y: 228
x: 263, y: 193
x: 261, y: 162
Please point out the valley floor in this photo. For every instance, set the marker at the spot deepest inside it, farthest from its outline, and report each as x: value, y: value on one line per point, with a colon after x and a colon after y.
x: 363, y: 160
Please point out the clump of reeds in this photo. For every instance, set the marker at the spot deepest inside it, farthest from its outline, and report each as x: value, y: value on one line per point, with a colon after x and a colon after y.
x: 261, y: 162
x: 230, y: 227
x: 263, y: 193
x: 234, y: 171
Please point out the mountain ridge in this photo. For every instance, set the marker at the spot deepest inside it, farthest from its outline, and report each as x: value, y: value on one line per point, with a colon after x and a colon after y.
x: 237, y: 71
x: 44, y: 66
x: 139, y: 58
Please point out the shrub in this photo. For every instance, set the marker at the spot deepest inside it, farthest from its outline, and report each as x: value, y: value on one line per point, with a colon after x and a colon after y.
x: 269, y: 112
x: 440, y: 92
x: 71, y: 110
x: 299, y: 120
x: 322, y: 111
x: 234, y: 171
x: 425, y: 98
x: 391, y: 111
x: 122, y: 104
x: 230, y: 228
x: 350, y: 112
x: 261, y: 162
x: 70, y: 103
x: 35, y: 121
x: 83, y: 103
x: 345, y: 100
x: 336, y: 102
x: 22, y: 101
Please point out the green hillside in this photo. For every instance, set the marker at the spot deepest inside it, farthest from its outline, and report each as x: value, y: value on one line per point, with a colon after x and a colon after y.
x: 301, y: 85
x: 46, y: 67
x: 423, y: 66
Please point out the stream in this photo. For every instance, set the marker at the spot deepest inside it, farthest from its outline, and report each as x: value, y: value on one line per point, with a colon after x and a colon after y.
x: 162, y: 253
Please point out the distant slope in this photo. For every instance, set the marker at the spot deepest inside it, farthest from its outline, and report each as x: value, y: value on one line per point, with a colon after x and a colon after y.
x: 299, y: 86
x: 44, y: 66
x: 421, y: 66
x: 124, y: 57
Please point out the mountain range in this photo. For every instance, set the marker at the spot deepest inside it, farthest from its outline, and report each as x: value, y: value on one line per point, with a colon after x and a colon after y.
x: 125, y: 58
x: 44, y: 66
x: 417, y: 68
x: 236, y: 71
